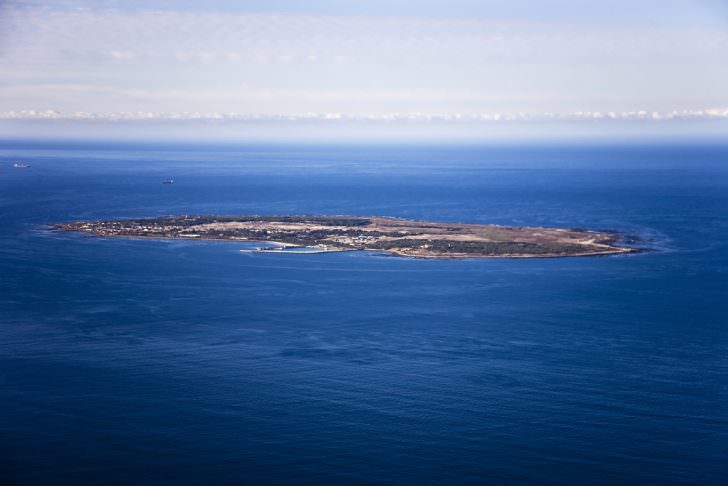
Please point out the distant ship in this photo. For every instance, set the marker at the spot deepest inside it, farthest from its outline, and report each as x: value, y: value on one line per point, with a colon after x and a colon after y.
x: 21, y: 165
x: 168, y: 181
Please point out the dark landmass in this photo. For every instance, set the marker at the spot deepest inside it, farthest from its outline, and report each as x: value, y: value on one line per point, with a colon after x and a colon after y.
x: 343, y: 233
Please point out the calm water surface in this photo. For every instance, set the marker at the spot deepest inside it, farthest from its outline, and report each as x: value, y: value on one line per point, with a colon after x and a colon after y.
x: 167, y: 362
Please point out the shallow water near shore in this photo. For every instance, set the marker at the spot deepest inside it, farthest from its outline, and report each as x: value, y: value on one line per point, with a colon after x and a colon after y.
x: 131, y: 361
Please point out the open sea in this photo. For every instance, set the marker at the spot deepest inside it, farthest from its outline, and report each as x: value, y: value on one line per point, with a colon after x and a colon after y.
x: 136, y: 362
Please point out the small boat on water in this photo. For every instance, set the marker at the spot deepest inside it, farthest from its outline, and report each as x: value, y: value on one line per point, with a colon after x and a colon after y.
x: 21, y: 165
x: 168, y: 181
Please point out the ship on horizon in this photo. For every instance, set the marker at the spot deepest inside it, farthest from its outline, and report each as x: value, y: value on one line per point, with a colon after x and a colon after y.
x: 168, y: 181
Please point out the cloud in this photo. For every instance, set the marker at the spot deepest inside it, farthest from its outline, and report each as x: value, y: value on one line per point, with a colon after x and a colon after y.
x: 113, y: 60
x: 704, y: 114
x: 38, y: 35
x: 122, y: 55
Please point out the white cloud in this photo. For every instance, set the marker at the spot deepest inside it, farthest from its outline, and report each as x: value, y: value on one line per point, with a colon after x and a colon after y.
x: 122, y: 55
x: 36, y: 35
x: 111, y: 61
x: 705, y: 114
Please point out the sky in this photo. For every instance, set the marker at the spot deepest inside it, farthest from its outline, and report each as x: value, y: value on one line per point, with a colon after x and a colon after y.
x: 300, y: 69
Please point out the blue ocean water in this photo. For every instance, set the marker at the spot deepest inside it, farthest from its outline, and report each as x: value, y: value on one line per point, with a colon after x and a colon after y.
x: 168, y: 362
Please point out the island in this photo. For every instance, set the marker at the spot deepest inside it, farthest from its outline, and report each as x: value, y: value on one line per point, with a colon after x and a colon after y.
x: 394, y: 236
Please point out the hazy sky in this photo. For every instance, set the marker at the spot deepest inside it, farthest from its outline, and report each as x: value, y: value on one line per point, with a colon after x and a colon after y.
x: 484, y: 59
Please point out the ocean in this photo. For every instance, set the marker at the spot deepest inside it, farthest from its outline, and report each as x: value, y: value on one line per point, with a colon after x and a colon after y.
x: 127, y: 361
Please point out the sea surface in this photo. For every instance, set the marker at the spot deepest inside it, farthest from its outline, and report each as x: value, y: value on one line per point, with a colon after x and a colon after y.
x: 127, y: 361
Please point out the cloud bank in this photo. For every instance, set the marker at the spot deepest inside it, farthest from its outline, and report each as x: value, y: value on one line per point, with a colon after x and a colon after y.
x: 706, y: 114
x: 126, y: 62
